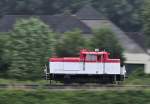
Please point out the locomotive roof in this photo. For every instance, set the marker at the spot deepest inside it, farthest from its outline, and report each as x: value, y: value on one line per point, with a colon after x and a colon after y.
x: 96, y: 53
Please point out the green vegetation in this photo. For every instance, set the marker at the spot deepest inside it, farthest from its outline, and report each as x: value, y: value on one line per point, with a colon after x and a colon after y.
x: 138, y: 77
x: 74, y: 97
x: 15, y: 81
x: 105, y: 39
x: 70, y: 44
x: 29, y: 47
x: 4, y: 57
x: 146, y: 22
x: 125, y: 13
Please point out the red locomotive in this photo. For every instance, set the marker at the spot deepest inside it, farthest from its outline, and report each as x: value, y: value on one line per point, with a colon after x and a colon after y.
x: 91, y: 66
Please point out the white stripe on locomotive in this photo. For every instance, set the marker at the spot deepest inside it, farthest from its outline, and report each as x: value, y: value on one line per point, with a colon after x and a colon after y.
x: 84, y: 68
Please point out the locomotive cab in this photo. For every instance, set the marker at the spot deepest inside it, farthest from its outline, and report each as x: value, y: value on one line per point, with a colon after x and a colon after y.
x: 93, y: 56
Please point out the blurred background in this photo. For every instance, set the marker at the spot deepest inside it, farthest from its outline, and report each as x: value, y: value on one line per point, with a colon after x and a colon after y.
x: 31, y: 31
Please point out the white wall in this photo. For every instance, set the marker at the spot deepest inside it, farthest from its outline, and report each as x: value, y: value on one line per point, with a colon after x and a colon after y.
x: 138, y: 58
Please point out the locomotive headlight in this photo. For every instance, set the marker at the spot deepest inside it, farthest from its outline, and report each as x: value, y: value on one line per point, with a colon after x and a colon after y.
x: 96, y: 50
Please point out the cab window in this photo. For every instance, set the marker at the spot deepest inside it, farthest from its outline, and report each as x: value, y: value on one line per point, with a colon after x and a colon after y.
x: 91, y: 57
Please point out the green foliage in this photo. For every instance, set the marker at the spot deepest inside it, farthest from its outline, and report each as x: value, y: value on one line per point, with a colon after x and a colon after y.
x: 125, y: 13
x: 70, y: 44
x: 146, y: 22
x: 4, y: 57
x: 29, y: 48
x: 138, y: 77
x: 105, y: 39
x: 74, y: 97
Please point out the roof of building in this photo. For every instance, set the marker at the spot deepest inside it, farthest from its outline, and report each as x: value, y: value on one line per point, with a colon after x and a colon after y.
x: 58, y: 23
x: 128, y: 42
x: 138, y: 37
x: 89, y: 13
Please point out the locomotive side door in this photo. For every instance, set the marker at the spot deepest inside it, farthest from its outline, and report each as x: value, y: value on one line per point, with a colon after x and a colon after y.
x: 91, y: 64
x: 100, y: 64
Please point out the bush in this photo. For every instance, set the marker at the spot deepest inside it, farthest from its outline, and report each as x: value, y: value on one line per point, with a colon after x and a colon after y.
x: 70, y: 44
x: 138, y: 77
x: 29, y: 48
x: 105, y: 39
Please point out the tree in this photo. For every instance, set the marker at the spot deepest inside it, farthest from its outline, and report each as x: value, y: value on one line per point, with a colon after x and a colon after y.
x: 70, y: 44
x: 105, y: 39
x: 125, y: 13
x: 29, y: 48
x: 4, y: 57
x: 146, y: 22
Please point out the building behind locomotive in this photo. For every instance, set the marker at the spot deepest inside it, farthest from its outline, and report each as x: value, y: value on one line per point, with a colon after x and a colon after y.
x: 90, y: 65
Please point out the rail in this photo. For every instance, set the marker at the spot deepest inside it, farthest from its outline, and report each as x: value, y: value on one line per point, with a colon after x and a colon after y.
x: 74, y: 87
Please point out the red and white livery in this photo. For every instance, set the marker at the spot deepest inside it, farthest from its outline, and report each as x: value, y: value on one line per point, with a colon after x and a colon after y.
x: 91, y: 65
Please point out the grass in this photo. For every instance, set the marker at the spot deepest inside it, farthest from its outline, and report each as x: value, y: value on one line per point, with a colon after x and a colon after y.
x: 74, y: 97
x: 12, y: 81
x: 138, y: 77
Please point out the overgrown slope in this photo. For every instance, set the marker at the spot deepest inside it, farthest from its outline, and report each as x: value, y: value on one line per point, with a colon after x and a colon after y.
x: 74, y: 97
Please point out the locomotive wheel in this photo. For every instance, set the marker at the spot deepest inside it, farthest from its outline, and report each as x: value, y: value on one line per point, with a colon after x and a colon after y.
x: 67, y: 79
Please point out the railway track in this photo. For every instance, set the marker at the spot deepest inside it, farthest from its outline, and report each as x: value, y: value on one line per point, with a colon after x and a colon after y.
x: 74, y: 87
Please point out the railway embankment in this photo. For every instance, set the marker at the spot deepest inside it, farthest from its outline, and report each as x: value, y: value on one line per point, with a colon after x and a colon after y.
x: 74, y: 97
